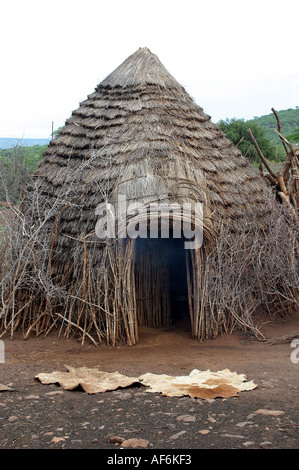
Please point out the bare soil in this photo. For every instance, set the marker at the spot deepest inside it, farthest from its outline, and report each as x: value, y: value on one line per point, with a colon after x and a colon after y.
x: 31, y: 416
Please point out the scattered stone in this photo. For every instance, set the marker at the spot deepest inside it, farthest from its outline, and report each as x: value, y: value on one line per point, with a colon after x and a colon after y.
x: 116, y: 439
x: 5, y: 388
x: 32, y: 397
x: 244, y: 423
x: 211, y: 419
x: 270, y: 412
x: 12, y: 418
x: 265, y: 444
x: 56, y: 440
x: 186, y: 418
x: 95, y: 441
x: 204, y: 431
x: 170, y: 426
x: 248, y: 443
x: 177, y: 435
x: 234, y: 436
x: 48, y: 434
x: 125, y: 396
x: 55, y: 392
x: 134, y: 443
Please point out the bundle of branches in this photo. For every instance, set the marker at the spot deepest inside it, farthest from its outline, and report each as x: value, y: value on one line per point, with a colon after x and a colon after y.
x: 284, y: 183
x: 252, y: 273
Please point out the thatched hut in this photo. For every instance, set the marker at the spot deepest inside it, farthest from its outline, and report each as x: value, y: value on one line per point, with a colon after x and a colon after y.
x: 139, y: 135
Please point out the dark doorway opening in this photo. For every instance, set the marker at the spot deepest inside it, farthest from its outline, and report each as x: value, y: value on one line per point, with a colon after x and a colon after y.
x: 161, y: 282
x: 178, y: 281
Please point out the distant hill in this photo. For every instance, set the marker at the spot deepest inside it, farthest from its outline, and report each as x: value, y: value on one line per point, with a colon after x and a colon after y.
x: 289, y: 119
x: 7, y: 142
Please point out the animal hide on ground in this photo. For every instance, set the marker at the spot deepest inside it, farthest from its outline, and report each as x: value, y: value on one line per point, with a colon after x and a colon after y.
x: 91, y: 380
x: 198, y: 384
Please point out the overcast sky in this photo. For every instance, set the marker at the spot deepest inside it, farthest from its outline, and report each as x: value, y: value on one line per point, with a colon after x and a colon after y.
x: 235, y: 58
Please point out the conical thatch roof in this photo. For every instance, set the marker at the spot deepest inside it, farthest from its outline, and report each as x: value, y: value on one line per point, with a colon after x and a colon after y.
x: 145, y: 137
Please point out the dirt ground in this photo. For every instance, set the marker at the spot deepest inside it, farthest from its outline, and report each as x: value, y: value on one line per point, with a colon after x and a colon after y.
x: 31, y: 415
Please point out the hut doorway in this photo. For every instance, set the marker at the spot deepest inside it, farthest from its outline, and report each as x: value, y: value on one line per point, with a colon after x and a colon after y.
x: 161, y: 286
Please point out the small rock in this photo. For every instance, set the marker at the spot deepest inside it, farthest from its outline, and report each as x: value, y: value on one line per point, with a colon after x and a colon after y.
x: 95, y: 441
x: 211, y: 419
x: 177, y: 435
x: 244, y: 423
x: 116, y: 439
x: 32, y: 397
x: 204, y: 431
x: 56, y: 440
x: 56, y: 392
x: 265, y: 444
x: 186, y: 418
x: 170, y: 426
x: 270, y: 412
x: 48, y: 434
x: 5, y: 388
x: 12, y: 418
x: 125, y: 396
x: 234, y: 436
x: 248, y: 443
x: 134, y: 442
